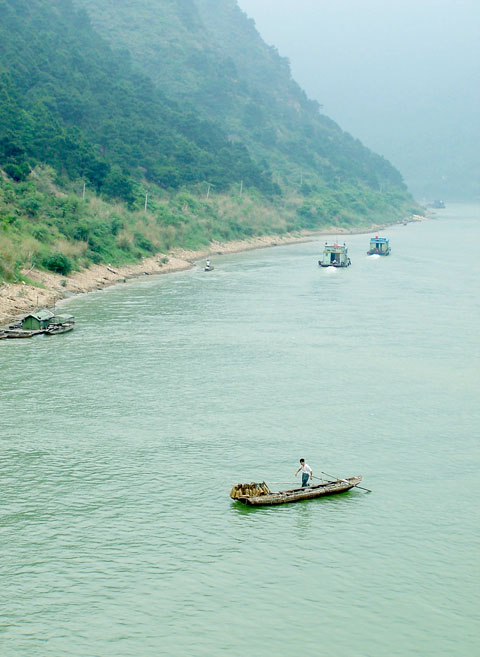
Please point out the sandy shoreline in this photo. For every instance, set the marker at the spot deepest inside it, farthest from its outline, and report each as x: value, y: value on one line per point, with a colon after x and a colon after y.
x: 17, y: 299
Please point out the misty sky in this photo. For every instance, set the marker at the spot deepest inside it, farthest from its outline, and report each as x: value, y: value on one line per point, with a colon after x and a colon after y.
x: 402, y: 75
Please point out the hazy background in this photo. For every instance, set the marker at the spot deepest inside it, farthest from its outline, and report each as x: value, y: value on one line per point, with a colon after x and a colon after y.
x: 401, y: 75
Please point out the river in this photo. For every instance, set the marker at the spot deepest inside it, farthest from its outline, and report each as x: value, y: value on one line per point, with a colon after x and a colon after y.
x: 120, y: 441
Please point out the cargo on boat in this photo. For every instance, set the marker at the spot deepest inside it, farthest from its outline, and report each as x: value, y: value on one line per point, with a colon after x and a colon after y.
x: 60, y: 324
x: 259, y: 494
x: 379, y: 246
x: 334, y: 255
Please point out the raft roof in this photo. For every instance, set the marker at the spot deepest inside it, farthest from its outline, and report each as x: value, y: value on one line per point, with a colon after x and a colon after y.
x: 62, y: 318
x: 40, y: 315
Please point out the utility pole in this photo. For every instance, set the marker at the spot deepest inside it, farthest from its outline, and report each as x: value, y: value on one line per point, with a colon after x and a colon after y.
x: 241, y: 187
x: 83, y: 194
x: 146, y: 201
x: 208, y: 190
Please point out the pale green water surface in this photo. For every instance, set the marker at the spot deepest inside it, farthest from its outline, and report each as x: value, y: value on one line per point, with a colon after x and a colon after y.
x: 119, y: 444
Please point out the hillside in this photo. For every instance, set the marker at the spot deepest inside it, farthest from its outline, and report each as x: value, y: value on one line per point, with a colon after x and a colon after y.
x: 208, y: 53
x: 102, y: 102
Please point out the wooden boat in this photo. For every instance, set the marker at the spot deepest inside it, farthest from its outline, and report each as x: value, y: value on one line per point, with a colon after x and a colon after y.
x: 295, y: 494
x: 209, y: 268
x: 22, y: 333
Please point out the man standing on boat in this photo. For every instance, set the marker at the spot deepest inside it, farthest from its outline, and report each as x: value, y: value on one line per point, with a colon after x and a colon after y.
x: 306, y: 472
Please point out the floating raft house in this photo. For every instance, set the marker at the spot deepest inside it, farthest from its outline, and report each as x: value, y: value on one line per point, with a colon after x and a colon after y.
x: 40, y: 321
x: 37, y: 321
x: 379, y: 246
x: 334, y: 255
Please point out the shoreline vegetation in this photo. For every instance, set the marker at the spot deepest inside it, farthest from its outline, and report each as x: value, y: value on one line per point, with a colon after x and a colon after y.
x: 47, y: 288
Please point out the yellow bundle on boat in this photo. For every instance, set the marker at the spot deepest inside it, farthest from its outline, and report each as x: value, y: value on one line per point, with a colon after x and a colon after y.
x: 249, y: 490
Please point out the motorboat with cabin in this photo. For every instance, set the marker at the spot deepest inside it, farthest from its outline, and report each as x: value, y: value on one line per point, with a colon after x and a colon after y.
x: 334, y: 255
x: 379, y: 246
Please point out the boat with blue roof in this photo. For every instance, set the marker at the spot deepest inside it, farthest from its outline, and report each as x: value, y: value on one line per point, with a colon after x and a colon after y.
x: 379, y: 246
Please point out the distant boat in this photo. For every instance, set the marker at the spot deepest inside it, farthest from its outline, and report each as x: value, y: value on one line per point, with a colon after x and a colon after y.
x: 334, y: 255
x: 208, y: 266
x: 260, y: 495
x: 437, y: 204
x: 379, y: 246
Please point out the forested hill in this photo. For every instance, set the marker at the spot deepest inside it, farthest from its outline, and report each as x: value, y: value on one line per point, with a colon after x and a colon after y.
x: 104, y: 101
x: 209, y: 54
x: 71, y: 102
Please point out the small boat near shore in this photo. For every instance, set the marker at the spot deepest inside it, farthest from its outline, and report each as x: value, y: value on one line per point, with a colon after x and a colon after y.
x: 208, y: 266
x: 260, y: 495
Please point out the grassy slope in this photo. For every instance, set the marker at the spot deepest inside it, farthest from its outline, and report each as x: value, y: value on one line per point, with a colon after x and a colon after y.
x: 39, y: 220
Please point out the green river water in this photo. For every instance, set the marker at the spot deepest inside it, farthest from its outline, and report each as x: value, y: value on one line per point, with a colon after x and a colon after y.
x: 120, y: 441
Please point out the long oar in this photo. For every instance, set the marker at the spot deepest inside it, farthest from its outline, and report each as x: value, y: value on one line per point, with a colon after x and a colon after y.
x: 345, y: 480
